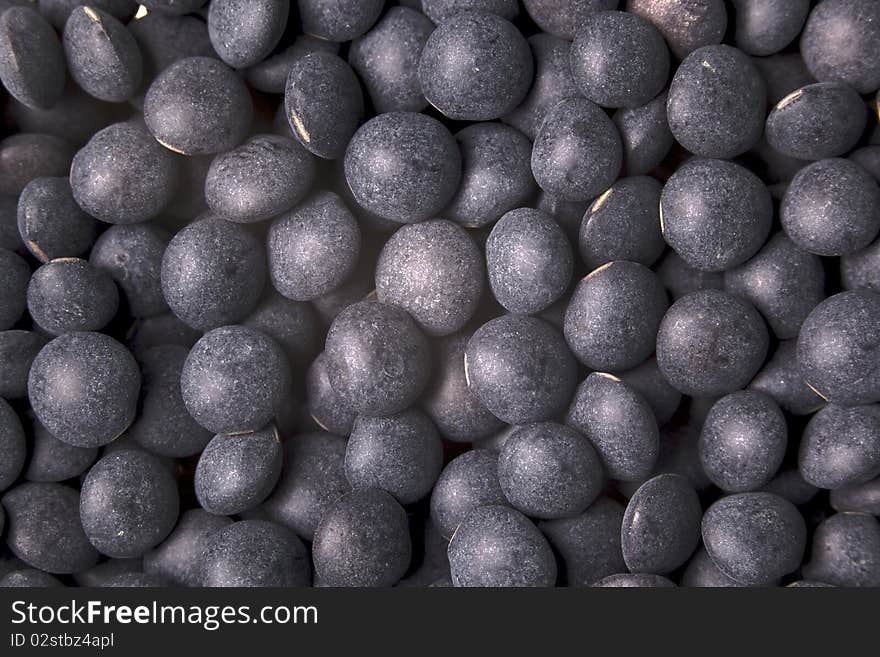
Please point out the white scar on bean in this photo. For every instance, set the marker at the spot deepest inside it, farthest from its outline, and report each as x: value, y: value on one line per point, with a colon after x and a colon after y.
x: 96, y: 19
x: 811, y: 387
x: 37, y: 251
x: 300, y: 128
x: 597, y: 270
x: 170, y: 147
x: 599, y: 202
x: 319, y: 423
x: 790, y: 98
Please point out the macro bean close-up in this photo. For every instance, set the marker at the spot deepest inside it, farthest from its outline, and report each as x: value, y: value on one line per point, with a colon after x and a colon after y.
x: 440, y: 294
